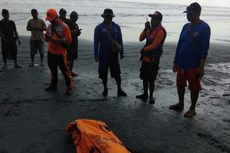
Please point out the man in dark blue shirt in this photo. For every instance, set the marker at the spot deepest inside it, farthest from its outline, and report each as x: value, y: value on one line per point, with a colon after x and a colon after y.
x: 107, y: 46
x: 9, y: 36
x: 190, y: 57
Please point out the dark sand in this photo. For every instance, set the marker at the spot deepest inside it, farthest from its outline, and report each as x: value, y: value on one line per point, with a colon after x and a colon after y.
x: 33, y: 121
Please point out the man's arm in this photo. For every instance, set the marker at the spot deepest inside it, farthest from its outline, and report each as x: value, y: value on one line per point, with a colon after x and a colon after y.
x: 175, y: 62
x: 120, y: 41
x: 43, y: 26
x: 16, y: 34
x: 28, y: 27
x: 159, y: 37
x: 204, y: 51
x: 96, y: 44
x: 1, y: 34
x: 143, y: 34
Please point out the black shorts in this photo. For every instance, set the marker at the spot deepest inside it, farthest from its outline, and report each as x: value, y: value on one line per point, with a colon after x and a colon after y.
x: 114, y: 67
x: 36, y: 46
x: 9, y: 49
x: 149, y: 70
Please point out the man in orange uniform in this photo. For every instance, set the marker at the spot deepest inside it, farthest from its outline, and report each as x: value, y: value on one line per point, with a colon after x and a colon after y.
x: 155, y: 35
x: 58, y: 37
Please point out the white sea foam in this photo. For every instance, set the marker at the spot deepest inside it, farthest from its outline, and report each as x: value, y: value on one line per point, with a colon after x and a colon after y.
x: 130, y: 16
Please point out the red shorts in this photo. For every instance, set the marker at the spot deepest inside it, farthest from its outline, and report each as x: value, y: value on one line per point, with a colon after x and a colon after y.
x: 188, y: 75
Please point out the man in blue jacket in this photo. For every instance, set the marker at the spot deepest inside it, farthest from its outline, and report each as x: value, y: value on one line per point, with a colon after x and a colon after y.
x: 107, y: 37
x: 191, y: 53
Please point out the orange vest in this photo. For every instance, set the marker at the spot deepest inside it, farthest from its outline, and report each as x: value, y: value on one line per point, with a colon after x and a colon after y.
x: 156, y: 38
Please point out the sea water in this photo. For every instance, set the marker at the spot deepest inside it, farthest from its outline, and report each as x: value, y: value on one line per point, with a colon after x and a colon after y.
x: 131, y: 16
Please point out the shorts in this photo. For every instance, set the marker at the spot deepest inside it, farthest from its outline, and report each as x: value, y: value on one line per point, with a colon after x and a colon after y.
x: 190, y: 76
x: 9, y: 49
x: 149, y: 70
x: 114, y: 67
x: 36, y: 46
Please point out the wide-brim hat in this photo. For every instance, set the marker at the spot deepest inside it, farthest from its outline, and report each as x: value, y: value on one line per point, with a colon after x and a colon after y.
x: 108, y: 13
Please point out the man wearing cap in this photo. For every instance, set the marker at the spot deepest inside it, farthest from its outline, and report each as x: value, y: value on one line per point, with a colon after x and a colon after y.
x: 155, y: 35
x: 9, y: 37
x: 107, y: 34
x: 191, y: 53
x: 73, y: 48
x: 58, y: 37
x: 36, y: 26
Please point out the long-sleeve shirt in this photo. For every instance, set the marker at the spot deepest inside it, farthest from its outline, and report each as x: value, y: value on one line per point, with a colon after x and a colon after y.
x: 193, y: 45
x: 102, y: 41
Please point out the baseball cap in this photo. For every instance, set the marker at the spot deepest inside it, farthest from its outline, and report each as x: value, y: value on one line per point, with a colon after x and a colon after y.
x: 194, y: 7
x: 51, y: 14
x: 156, y: 15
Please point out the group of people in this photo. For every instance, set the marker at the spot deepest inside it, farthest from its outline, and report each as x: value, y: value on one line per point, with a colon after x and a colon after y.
x: 62, y: 34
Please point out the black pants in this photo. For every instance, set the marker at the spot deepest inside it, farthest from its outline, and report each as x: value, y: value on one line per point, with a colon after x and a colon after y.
x: 60, y: 61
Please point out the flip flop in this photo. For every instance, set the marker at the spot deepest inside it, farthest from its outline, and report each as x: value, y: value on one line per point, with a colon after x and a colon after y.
x: 190, y: 113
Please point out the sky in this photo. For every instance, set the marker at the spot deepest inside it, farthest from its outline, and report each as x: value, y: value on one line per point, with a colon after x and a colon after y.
x: 220, y: 3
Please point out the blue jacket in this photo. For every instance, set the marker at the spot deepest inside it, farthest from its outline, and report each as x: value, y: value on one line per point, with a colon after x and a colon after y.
x: 102, y: 42
x: 193, y: 45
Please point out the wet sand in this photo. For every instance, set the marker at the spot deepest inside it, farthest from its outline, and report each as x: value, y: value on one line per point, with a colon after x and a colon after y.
x: 33, y: 121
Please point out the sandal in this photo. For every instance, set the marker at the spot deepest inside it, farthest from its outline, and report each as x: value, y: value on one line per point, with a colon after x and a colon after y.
x: 177, y: 107
x: 190, y: 113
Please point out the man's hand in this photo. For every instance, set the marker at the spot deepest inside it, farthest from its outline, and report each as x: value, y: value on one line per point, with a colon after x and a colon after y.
x: 121, y: 56
x: 147, y: 25
x: 174, y: 68
x: 142, y: 51
x: 19, y: 42
x: 200, y: 73
x: 47, y: 37
x: 96, y: 59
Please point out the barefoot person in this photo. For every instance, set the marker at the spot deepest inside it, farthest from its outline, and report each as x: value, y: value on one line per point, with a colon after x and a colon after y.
x: 73, y: 48
x: 9, y: 38
x: 58, y: 37
x: 191, y: 53
x: 155, y: 35
x: 106, y: 35
x: 36, y: 26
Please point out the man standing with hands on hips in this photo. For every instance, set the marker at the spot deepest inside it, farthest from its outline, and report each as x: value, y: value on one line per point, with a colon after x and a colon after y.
x: 191, y: 53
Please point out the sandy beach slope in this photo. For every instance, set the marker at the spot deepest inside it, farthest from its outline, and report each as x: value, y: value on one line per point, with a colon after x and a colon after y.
x: 33, y: 121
